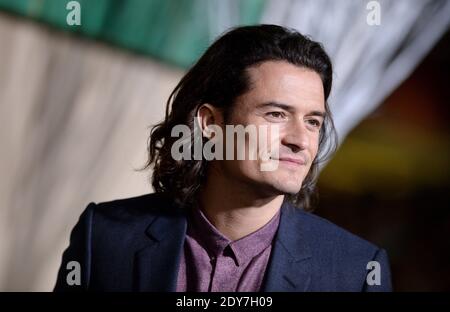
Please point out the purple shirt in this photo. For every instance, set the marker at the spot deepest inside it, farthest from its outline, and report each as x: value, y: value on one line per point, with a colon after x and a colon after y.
x: 212, y: 262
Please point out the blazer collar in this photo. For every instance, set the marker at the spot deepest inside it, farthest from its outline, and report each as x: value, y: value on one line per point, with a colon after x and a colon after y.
x: 157, y: 264
x: 289, y: 267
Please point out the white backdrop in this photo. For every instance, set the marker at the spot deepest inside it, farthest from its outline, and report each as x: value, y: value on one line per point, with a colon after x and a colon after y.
x: 73, y: 120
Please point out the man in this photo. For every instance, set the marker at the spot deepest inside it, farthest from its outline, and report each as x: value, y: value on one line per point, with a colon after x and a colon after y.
x: 225, y: 224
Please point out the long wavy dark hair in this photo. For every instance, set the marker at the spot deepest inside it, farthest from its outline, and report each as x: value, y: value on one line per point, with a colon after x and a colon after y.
x: 218, y: 78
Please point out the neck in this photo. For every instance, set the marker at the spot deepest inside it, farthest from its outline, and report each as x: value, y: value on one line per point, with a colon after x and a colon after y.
x: 233, y: 208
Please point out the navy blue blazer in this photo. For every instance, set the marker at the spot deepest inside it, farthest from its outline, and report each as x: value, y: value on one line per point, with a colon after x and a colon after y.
x: 135, y: 244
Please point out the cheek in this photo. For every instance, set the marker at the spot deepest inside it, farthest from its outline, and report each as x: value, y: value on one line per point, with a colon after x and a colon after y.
x: 272, y: 142
x: 314, y: 147
x: 242, y: 168
x: 313, y: 152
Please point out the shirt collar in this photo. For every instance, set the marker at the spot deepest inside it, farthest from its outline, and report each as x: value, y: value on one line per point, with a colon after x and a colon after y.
x: 243, y: 249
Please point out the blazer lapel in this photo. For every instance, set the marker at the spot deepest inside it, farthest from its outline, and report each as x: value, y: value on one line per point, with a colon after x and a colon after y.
x: 290, y: 266
x: 157, y: 264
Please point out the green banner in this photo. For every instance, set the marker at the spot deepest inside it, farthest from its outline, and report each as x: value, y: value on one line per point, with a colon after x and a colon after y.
x: 176, y: 31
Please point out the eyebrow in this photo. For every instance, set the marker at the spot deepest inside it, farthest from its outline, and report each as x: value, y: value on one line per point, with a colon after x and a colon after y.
x: 290, y: 108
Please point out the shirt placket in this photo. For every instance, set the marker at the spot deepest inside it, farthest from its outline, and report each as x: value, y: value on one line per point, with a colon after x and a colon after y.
x: 224, y: 274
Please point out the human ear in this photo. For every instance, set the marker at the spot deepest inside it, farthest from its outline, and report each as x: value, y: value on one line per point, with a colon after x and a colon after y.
x: 208, y: 115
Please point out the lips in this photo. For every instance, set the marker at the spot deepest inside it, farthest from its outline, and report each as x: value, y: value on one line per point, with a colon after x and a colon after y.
x: 296, y: 161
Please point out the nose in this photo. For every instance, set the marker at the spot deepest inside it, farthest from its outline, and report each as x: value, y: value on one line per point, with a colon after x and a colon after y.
x: 296, y: 136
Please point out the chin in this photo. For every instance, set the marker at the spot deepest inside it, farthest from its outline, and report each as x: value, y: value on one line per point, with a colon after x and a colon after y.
x: 284, y: 187
x: 290, y: 184
x: 290, y: 190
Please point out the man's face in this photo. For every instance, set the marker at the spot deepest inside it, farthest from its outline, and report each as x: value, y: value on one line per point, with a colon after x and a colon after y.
x: 291, y: 98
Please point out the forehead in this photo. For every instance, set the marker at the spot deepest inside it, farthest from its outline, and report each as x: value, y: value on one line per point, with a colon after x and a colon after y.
x: 286, y: 83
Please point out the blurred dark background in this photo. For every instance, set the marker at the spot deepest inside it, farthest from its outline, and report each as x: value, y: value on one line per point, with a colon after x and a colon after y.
x: 389, y: 181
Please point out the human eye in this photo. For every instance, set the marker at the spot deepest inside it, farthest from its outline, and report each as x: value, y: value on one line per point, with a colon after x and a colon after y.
x: 314, y: 122
x: 276, y: 115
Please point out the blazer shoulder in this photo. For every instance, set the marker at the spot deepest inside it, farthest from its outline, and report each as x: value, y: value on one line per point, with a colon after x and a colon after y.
x: 327, y: 234
x: 342, y: 259
x: 123, y: 224
x: 152, y: 203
